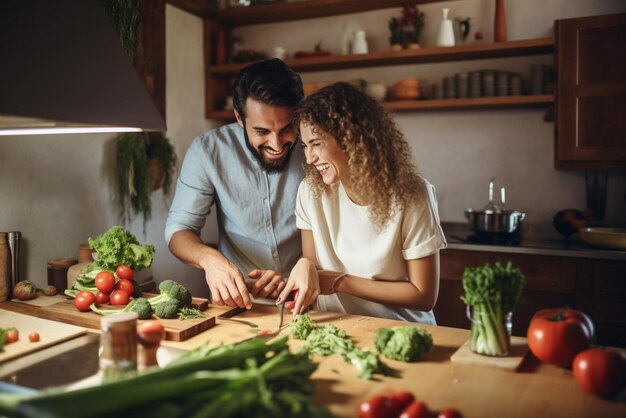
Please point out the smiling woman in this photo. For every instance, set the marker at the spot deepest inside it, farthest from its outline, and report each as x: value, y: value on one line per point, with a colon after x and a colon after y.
x: 369, y: 222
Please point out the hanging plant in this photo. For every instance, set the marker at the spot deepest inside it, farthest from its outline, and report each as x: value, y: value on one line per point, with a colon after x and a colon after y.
x: 126, y: 17
x: 144, y: 163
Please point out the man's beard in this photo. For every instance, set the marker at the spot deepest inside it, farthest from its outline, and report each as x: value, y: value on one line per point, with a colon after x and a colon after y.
x: 271, y: 166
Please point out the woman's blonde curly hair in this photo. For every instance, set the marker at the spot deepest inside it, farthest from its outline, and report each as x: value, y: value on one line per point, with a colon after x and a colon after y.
x: 381, y: 169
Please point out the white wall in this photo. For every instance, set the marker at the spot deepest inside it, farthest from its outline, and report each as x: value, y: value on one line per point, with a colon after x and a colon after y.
x: 57, y: 190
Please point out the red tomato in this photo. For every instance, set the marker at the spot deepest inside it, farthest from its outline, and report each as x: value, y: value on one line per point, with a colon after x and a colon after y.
x: 150, y: 333
x: 449, y: 413
x: 105, y: 281
x: 399, y: 401
x: 601, y: 372
x: 12, y: 335
x: 377, y: 406
x: 555, y: 336
x: 119, y: 297
x: 124, y: 272
x: 33, y: 337
x: 416, y: 409
x: 125, y: 285
x: 83, y: 300
x: 102, y: 298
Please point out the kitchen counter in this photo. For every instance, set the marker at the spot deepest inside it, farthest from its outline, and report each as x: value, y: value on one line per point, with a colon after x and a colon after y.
x: 477, y: 391
x: 536, y: 239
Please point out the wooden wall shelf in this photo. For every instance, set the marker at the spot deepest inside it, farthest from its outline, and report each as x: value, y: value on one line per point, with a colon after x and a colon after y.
x: 504, y: 102
x: 415, y: 56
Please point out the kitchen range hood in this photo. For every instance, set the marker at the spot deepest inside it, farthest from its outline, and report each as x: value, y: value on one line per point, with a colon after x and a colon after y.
x: 63, y: 70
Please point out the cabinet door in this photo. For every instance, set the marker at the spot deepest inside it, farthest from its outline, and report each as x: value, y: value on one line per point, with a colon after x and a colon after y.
x: 591, y: 93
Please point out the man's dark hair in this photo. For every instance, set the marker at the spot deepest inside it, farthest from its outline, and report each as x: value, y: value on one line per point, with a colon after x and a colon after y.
x: 271, y: 82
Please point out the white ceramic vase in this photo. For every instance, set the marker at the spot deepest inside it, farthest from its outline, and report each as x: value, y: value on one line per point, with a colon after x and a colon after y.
x: 446, y: 30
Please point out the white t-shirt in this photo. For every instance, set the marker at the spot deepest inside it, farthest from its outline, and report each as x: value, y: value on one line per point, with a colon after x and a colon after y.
x: 347, y: 241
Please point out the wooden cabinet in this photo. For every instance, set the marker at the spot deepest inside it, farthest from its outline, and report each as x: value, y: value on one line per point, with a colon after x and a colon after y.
x: 591, y: 93
x: 597, y: 287
x: 220, y: 22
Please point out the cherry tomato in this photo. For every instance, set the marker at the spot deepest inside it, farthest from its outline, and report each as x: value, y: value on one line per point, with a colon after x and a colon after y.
x: 601, y: 372
x: 33, y: 337
x: 399, y: 400
x: 119, y: 297
x: 416, y: 409
x: 125, y: 285
x: 83, y: 300
x: 12, y: 335
x: 449, y: 413
x: 124, y: 272
x: 377, y: 406
x: 555, y: 336
x: 102, y: 298
x: 105, y: 281
x: 150, y: 333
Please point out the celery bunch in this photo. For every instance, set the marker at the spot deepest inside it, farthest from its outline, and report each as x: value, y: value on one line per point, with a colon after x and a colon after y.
x: 493, y: 291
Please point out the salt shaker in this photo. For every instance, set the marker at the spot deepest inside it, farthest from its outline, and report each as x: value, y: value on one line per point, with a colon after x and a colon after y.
x: 118, y: 345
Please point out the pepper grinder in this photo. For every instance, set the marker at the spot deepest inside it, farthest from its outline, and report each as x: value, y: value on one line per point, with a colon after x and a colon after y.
x: 5, y: 272
x: 13, y: 239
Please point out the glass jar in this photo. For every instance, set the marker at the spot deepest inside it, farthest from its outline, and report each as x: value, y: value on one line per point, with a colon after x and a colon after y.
x: 118, y: 346
x: 490, y: 334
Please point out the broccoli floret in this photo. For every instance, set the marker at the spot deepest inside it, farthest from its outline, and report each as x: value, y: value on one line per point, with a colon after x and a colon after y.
x: 302, y: 327
x: 168, y: 309
x: 403, y: 343
x: 140, y: 306
x: 169, y: 289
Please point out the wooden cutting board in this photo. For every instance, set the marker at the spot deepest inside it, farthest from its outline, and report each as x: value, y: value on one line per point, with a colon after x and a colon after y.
x: 50, y: 333
x: 519, y: 348
x: 175, y: 329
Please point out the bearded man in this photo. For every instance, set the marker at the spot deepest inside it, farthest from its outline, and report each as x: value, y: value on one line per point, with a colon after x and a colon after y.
x: 250, y: 170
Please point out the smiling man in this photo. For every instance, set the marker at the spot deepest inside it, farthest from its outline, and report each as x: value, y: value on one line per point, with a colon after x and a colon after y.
x: 250, y: 170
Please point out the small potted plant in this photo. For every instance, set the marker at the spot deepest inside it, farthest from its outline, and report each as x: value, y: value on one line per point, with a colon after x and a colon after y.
x: 145, y: 162
x: 395, y: 37
x: 414, y: 23
x: 406, y: 29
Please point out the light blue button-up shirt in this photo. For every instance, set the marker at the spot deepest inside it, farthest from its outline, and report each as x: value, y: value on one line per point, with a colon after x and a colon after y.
x: 255, y: 209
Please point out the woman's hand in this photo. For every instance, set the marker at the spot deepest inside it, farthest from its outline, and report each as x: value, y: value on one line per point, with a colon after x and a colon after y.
x: 303, y: 277
x: 268, y: 283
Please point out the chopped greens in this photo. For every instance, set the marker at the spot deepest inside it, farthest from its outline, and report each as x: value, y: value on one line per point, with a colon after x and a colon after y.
x: 328, y: 339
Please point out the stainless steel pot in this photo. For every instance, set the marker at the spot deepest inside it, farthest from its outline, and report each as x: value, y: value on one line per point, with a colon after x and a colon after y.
x: 495, y: 218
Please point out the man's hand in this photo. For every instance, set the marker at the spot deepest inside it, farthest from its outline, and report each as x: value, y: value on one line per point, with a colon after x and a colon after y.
x: 227, y: 285
x: 268, y: 283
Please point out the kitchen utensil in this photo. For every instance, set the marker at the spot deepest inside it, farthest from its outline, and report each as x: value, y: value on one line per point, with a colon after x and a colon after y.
x: 495, y: 218
x: 13, y: 239
x: 517, y: 353
x: 613, y: 238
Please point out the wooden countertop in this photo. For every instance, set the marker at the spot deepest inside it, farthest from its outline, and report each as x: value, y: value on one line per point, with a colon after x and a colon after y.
x: 477, y: 391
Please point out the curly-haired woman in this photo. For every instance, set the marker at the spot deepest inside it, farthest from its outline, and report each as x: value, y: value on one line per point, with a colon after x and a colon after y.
x: 369, y: 223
